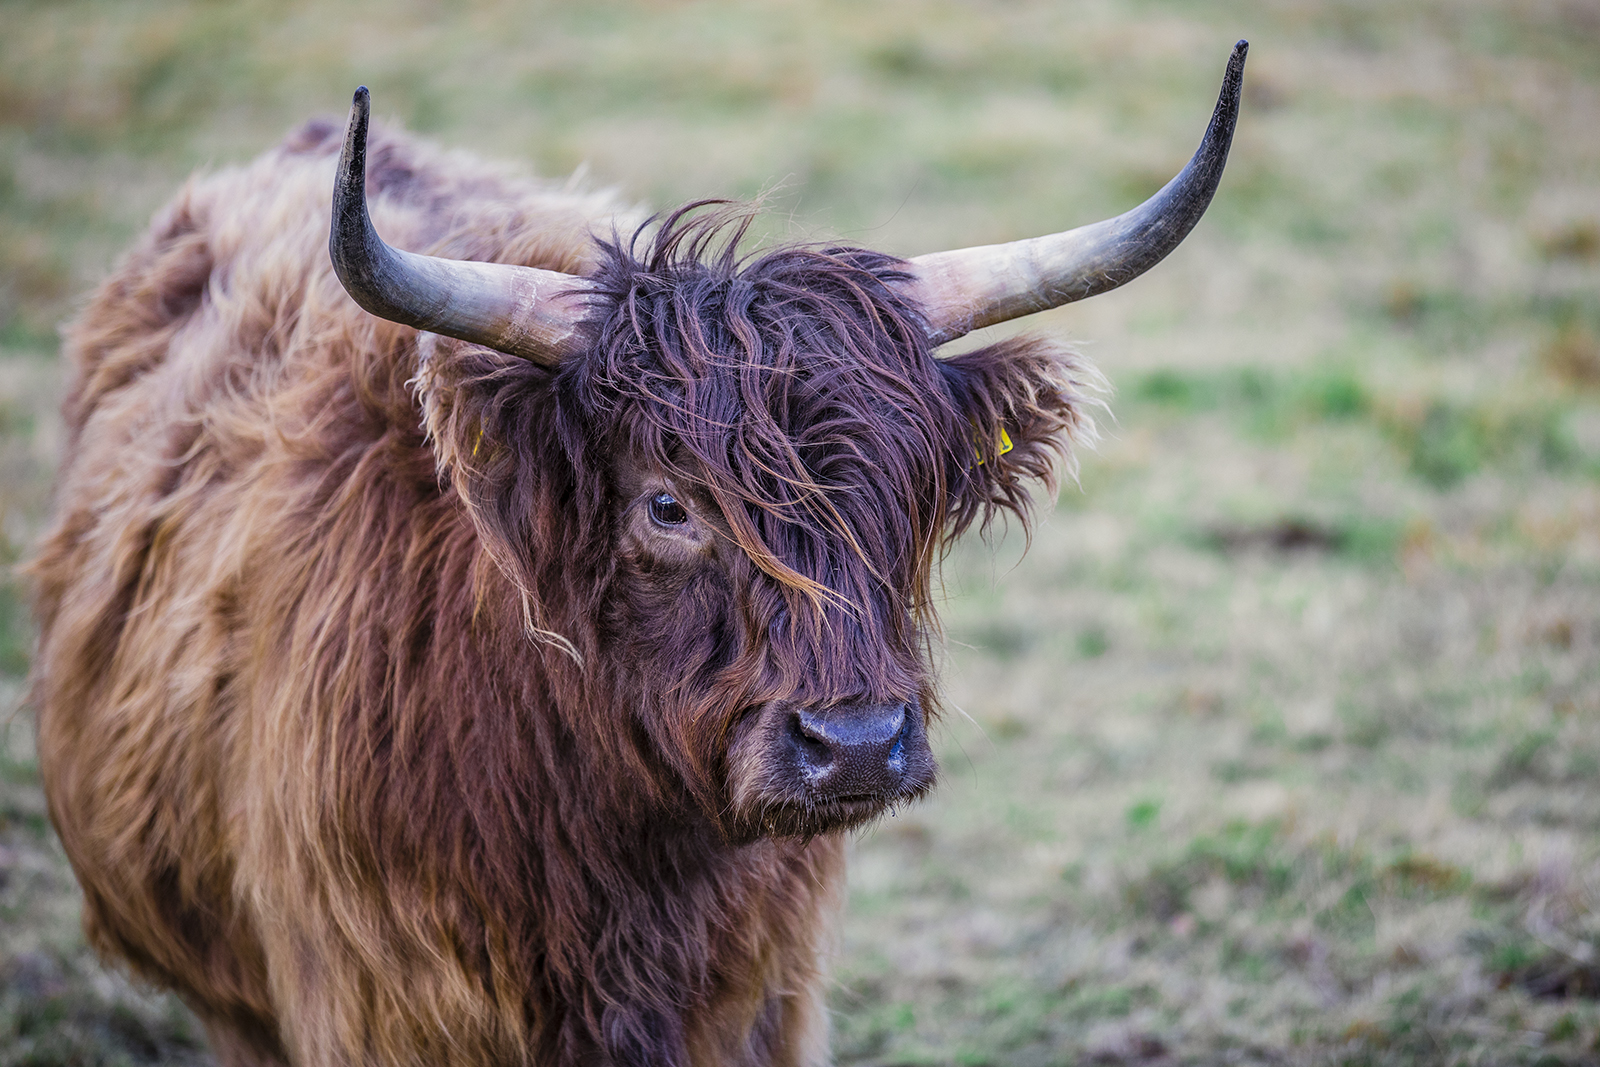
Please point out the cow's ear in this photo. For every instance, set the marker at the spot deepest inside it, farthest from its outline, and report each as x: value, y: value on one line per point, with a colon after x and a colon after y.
x: 493, y: 421
x: 1029, y: 405
x: 481, y: 410
x: 463, y: 389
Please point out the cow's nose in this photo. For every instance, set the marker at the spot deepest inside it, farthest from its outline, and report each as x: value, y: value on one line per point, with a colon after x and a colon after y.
x: 857, y: 751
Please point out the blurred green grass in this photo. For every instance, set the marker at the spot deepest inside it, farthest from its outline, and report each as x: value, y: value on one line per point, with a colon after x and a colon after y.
x: 1283, y: 744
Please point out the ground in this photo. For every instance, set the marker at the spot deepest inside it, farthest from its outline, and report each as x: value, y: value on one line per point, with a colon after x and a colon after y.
x: 1282, y: 742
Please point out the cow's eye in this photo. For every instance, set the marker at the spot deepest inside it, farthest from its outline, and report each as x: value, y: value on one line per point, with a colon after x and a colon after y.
x: 666, y: 511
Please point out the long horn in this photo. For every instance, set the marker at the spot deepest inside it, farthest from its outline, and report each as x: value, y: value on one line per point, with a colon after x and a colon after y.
x: 526, y: 311
x: 967, y: 288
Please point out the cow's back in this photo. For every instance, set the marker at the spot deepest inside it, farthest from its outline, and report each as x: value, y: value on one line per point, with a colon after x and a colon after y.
x: 241, y: 438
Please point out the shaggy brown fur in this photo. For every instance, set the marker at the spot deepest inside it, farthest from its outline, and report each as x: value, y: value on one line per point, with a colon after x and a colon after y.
x: 374, y: 718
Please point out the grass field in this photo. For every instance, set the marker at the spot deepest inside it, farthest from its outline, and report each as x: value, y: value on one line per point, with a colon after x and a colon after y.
x: 1282, y: 744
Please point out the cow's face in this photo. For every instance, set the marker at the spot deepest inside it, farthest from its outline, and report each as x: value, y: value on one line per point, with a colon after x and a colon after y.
x: 779, y: 729
x: 787, y: 460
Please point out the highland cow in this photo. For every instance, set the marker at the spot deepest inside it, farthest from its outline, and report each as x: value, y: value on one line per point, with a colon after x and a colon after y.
x: 491, y: 677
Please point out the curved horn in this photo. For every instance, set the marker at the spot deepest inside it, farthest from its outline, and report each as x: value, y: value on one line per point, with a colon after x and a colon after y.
x: 524, y: 311
x: 967, y: 288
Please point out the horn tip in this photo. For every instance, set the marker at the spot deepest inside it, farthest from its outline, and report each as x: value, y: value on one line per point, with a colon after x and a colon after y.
x: 362, y: 98
x: 1233, y: 78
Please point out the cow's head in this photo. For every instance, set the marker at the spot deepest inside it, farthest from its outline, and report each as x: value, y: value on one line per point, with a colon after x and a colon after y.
x: 728, y: 482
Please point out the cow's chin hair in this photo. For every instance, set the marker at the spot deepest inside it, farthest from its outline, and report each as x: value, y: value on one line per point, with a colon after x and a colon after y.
x: 790, y: 817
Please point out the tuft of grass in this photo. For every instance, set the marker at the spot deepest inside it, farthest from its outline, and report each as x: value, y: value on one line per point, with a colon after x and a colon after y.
x: 16, y: 630
x: 1573, y: 356
x: 1447, y: 444
x: 1527, y: 757
x: 1271, y: 404
x: 1245, y: 855
x: 1576, y: 240
x: 1569, y: 972
x: 1142, y: 814
x: 1421, y: 873
x: 51, y: 1016
x: 1092, y: 642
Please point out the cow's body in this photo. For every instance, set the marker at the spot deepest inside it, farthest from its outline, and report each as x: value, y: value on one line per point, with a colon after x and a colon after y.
x: 289, y: 715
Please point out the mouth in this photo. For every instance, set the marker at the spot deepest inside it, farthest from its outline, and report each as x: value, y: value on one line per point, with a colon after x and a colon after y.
x: 841, y: 814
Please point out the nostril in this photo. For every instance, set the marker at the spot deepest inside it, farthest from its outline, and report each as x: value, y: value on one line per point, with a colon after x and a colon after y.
x: 814, y: 749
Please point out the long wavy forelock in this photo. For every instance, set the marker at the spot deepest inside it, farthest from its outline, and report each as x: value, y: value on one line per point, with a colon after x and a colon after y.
x: 798, y: 387
x: 747, y: 373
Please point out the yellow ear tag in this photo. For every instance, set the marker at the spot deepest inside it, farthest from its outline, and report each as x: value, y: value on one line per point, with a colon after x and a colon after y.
x: 1005, y: 446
